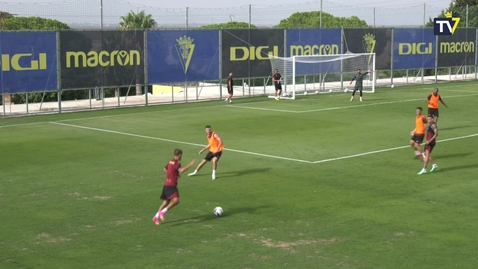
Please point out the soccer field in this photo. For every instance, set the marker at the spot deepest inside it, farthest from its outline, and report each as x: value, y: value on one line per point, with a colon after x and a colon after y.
x: 318, y: 182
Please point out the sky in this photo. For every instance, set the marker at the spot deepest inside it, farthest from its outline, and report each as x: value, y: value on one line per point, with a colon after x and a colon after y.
x: 201, y: 12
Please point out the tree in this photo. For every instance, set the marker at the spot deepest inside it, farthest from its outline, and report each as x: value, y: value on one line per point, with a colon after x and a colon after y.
x: 138, y: 21
x: 464, y: 3
x: 459, y: 7
x: 311, y: 19
x: 32, y: 23
x: 228, y: 25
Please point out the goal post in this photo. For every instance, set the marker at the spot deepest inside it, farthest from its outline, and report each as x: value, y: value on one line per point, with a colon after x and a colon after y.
x: 312, y: 74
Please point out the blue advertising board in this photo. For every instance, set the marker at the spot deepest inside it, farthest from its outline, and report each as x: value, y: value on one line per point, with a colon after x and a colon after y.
x: 326, y: 42
x: 413, y: 48
x: 181, y: 55
x: 28, y: 61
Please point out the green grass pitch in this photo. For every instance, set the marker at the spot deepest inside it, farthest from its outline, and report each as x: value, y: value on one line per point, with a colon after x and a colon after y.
x: 318, y: 182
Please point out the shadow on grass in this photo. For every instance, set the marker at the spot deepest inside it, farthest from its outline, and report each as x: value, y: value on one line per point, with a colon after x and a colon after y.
x: 455, y: 127
x: 453, y: 168
x: 452, y: 155
x: 210, y: 216
x: 243, y: 172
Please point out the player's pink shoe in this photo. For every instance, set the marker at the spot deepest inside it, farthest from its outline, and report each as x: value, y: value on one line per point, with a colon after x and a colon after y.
x: 162, y: 216
x: 156, y: 220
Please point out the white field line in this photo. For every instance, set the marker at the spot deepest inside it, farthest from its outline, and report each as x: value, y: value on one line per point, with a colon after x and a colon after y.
x: 345, y: 107
x: 255, y: 153
x: 389, y: 149
x: 233, y: 105
x: 178, y: 142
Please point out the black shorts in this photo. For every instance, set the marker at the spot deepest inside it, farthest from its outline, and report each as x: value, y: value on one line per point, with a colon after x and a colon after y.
x: 230, y: 91
x: 358, y: 87
x: 169, y: 192
x: 429, y: 147
x: 418, y: 138
x: 278, y: 86
x: 433, y: 112
x: 211, y: 155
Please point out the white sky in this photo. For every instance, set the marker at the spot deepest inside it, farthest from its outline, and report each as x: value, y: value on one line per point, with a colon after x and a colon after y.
x: 200, y: 12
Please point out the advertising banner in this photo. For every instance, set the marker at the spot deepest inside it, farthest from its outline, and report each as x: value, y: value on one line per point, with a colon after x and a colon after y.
x: 178, y: 56
x: 247, y: 52
x: 313, y: 42
x: 413, y: 48
x: 303, y: 42
x: 92, y: 59
x: 457, y: 49
x: 371, y: 40
x: 28, y: 61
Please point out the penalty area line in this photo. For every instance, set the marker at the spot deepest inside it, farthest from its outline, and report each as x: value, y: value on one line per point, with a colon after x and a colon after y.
x: 389, y: 149
x: 176, y: 141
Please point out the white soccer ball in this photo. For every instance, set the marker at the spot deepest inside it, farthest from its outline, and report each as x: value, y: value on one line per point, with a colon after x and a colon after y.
x: 305, y: 93
x: 346, y: 90
x: 330, y: 90
x: 392, y: 86
x: 218, y: 211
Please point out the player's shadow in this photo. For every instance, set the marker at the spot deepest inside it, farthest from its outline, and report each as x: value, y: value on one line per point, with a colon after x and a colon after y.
x: 210, y: 216
x: 455, y: 127
x: 243, y: 172
x: 452, y: 155
x: 459, y: 167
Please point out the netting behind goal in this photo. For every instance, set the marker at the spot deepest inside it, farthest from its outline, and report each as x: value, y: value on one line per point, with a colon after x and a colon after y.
x: 324, y: 73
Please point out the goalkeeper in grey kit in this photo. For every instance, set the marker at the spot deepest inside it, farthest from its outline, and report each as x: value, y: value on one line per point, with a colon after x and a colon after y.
x: 358, y: 83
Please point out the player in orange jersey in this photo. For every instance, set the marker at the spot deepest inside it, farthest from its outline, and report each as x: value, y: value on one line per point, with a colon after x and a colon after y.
x: 215, y: 147
x: 418, y: 133
x: 432, y: 101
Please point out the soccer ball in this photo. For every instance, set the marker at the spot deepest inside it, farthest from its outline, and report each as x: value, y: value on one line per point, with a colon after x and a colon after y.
x: 392, y: 86
x: 218, y: 211
x: 305, y: 93
x: 346, y: 90
x: 330, y: 90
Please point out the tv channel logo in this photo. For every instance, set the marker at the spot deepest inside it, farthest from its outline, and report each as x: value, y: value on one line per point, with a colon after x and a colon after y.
x: 447, y: 25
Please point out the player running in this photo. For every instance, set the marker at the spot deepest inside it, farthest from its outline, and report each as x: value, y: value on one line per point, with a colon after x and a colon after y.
x: 418, y: 133
x: 170, y: 194
x: 432, y: 133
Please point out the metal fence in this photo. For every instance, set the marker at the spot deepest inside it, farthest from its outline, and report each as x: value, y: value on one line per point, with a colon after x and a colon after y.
x: 81, y: 14
x: 106, y: 69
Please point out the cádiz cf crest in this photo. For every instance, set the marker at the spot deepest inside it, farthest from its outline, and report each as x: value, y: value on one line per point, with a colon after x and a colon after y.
x: 185, y: 49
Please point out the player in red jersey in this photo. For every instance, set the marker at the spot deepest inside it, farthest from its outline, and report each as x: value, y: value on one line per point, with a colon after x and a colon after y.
x: 170, y: 194
x: 432, y: 133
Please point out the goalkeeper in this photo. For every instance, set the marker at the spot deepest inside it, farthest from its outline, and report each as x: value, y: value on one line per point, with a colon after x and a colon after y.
x: 358, y: 83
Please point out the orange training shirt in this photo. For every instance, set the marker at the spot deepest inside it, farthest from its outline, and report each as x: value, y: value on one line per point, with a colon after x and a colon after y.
x: 214, y: 143
x: 419, y: 125
x: 434, y: 101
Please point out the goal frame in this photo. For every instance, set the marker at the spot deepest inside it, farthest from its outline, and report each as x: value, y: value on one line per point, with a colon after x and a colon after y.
x: 296, y: 58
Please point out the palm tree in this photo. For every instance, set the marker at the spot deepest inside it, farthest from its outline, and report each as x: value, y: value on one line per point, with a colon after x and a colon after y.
x: 137, y: 21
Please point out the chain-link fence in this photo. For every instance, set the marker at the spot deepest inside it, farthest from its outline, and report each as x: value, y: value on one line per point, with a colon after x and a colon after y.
x: 94, y: 13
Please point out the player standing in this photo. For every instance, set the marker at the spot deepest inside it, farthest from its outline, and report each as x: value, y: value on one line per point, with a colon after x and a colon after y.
x: 418, y: 133
x: 215, y: 147
x: 276, y: 78
x: 432, y: 133
x: 170, y: 194
x: 230, y: 90
x: 358, y: 83
x: 432, y: 101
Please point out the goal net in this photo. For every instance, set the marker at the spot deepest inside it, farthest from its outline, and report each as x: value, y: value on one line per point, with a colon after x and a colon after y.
x: 309, y: 74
